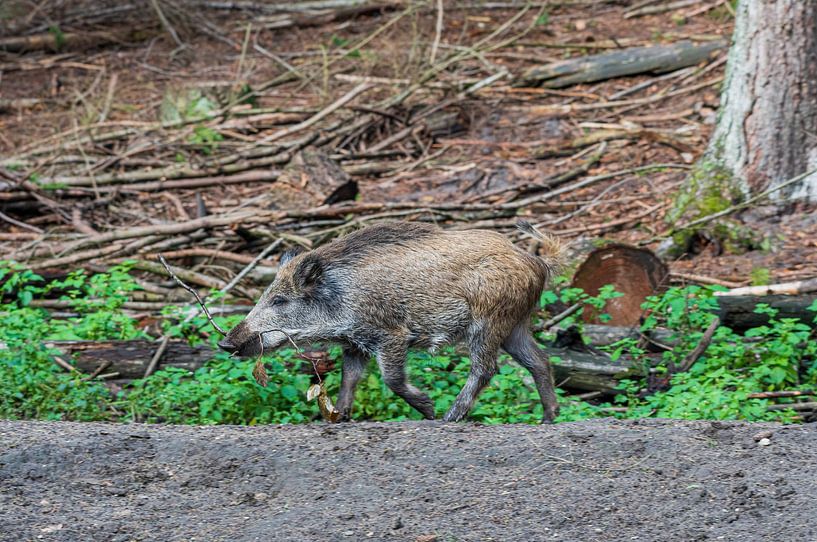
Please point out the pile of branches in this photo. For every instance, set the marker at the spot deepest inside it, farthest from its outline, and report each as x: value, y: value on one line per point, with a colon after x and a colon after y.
x: 93, y: 182
x: 72, y: 199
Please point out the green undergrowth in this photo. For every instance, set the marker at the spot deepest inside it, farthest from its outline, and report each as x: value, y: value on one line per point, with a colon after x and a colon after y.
x: 780, y: 355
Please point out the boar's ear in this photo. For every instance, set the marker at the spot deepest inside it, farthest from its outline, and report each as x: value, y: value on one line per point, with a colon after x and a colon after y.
x: 288, y: 255
x: 309, y: 272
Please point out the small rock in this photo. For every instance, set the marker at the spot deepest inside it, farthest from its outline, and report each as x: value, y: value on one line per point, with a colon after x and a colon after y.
x: 116, y: 491
x: 764, y: 442
x: 261, y: 496
x: 348, y: 533
x: 398, y: 524
x: 580, y: 25
x: 426, y: 538
x: 762, y: 435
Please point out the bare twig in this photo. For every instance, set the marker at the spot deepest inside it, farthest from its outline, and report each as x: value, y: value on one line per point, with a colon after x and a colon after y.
x: 20, y: 224
x: 65, y: 365
x: 571, y: 310
x: 98, y: 371
x: 701, y: 279
x: 438, y: 32
x: 195, y: 294
x: 157, y: 356
x: 732, y: 209
x: 166, y: 24
x: 702, y: 345
x: 250, y: 266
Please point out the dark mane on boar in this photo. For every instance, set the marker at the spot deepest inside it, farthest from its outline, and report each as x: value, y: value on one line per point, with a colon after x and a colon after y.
x: 359, y: 244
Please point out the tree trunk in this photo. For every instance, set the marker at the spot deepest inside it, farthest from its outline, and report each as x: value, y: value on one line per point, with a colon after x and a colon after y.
x: 767, y: 126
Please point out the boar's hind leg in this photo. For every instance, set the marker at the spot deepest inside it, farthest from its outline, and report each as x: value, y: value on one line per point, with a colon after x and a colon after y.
x: 392, y: 362
x: 521, y: 346
x: 354, y: 365
x: 483, y: 368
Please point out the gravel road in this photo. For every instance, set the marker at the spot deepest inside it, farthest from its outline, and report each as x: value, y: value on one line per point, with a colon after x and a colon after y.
x: 598, y: 480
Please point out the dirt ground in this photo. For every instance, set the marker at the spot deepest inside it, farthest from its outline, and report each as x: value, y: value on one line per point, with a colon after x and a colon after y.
x: 421, y: 481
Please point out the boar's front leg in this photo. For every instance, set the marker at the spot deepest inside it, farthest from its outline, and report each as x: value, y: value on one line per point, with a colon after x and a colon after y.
x: 391, y: 358
x: 354, y: 365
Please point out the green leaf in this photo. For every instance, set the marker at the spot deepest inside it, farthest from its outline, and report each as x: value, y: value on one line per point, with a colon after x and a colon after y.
x: 290, y: 392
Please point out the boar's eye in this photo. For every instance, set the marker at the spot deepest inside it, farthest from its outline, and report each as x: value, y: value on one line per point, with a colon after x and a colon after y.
x: 278, y: 300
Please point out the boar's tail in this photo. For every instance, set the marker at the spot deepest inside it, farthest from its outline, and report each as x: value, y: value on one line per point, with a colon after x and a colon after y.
x: 552, y: 250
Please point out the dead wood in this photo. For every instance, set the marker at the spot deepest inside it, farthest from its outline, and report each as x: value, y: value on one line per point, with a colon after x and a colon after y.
x: 738, y: 312
x: 635, y: 60
x: 634, y: 272
x: 200, y: 252
x: 706, y: 339
x: 316, y: 17
x: 701, y: 279
x: 73, y: 41
x: 805, y: 406
x: 316, y: 173
x: 660, y: 8
x: 781, y: 394
x: 131, y: 359
x: 588, y: 371
x: 786, y: 288
x: 179, y: 274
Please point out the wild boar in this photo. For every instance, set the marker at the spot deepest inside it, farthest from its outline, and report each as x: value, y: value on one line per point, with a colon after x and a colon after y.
x: 384, y: 289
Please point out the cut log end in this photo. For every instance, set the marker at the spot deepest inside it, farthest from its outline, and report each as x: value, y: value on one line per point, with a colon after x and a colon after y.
x: 634, y: 272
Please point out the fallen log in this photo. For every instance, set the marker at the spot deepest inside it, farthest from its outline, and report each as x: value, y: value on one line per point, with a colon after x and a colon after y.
x: 601, y: 335
x: 738, y: 312
x: 130, y: 358
x: 631, y: 61
x: 588, y: 371
x: 574, y: 369
x: 76, y: 41
x: 784, y: 288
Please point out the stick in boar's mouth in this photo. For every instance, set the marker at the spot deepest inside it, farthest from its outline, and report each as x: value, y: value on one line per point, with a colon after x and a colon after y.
x: 328, y: 410
x: 259, y: 373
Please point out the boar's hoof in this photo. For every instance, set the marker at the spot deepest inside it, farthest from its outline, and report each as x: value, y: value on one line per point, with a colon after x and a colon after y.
x: 549, y: 417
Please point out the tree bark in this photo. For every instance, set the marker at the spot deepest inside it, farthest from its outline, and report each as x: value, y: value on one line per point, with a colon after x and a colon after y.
x: 767, y: 126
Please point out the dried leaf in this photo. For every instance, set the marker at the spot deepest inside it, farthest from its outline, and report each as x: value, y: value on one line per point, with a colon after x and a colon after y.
x: 313, y: 391
x: 260, y: 374
x: 328, y: 410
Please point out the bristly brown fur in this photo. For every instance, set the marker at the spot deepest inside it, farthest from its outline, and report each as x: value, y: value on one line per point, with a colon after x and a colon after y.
x: 552, y: 248
x: 389, y: 287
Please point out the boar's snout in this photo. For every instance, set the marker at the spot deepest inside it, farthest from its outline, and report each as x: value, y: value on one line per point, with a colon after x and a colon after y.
x: 226, y: 345
x: 240, y: 341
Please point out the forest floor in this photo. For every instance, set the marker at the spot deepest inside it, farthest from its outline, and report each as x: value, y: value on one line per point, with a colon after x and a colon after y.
x: 598, y: 480
x: 86, y: 120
